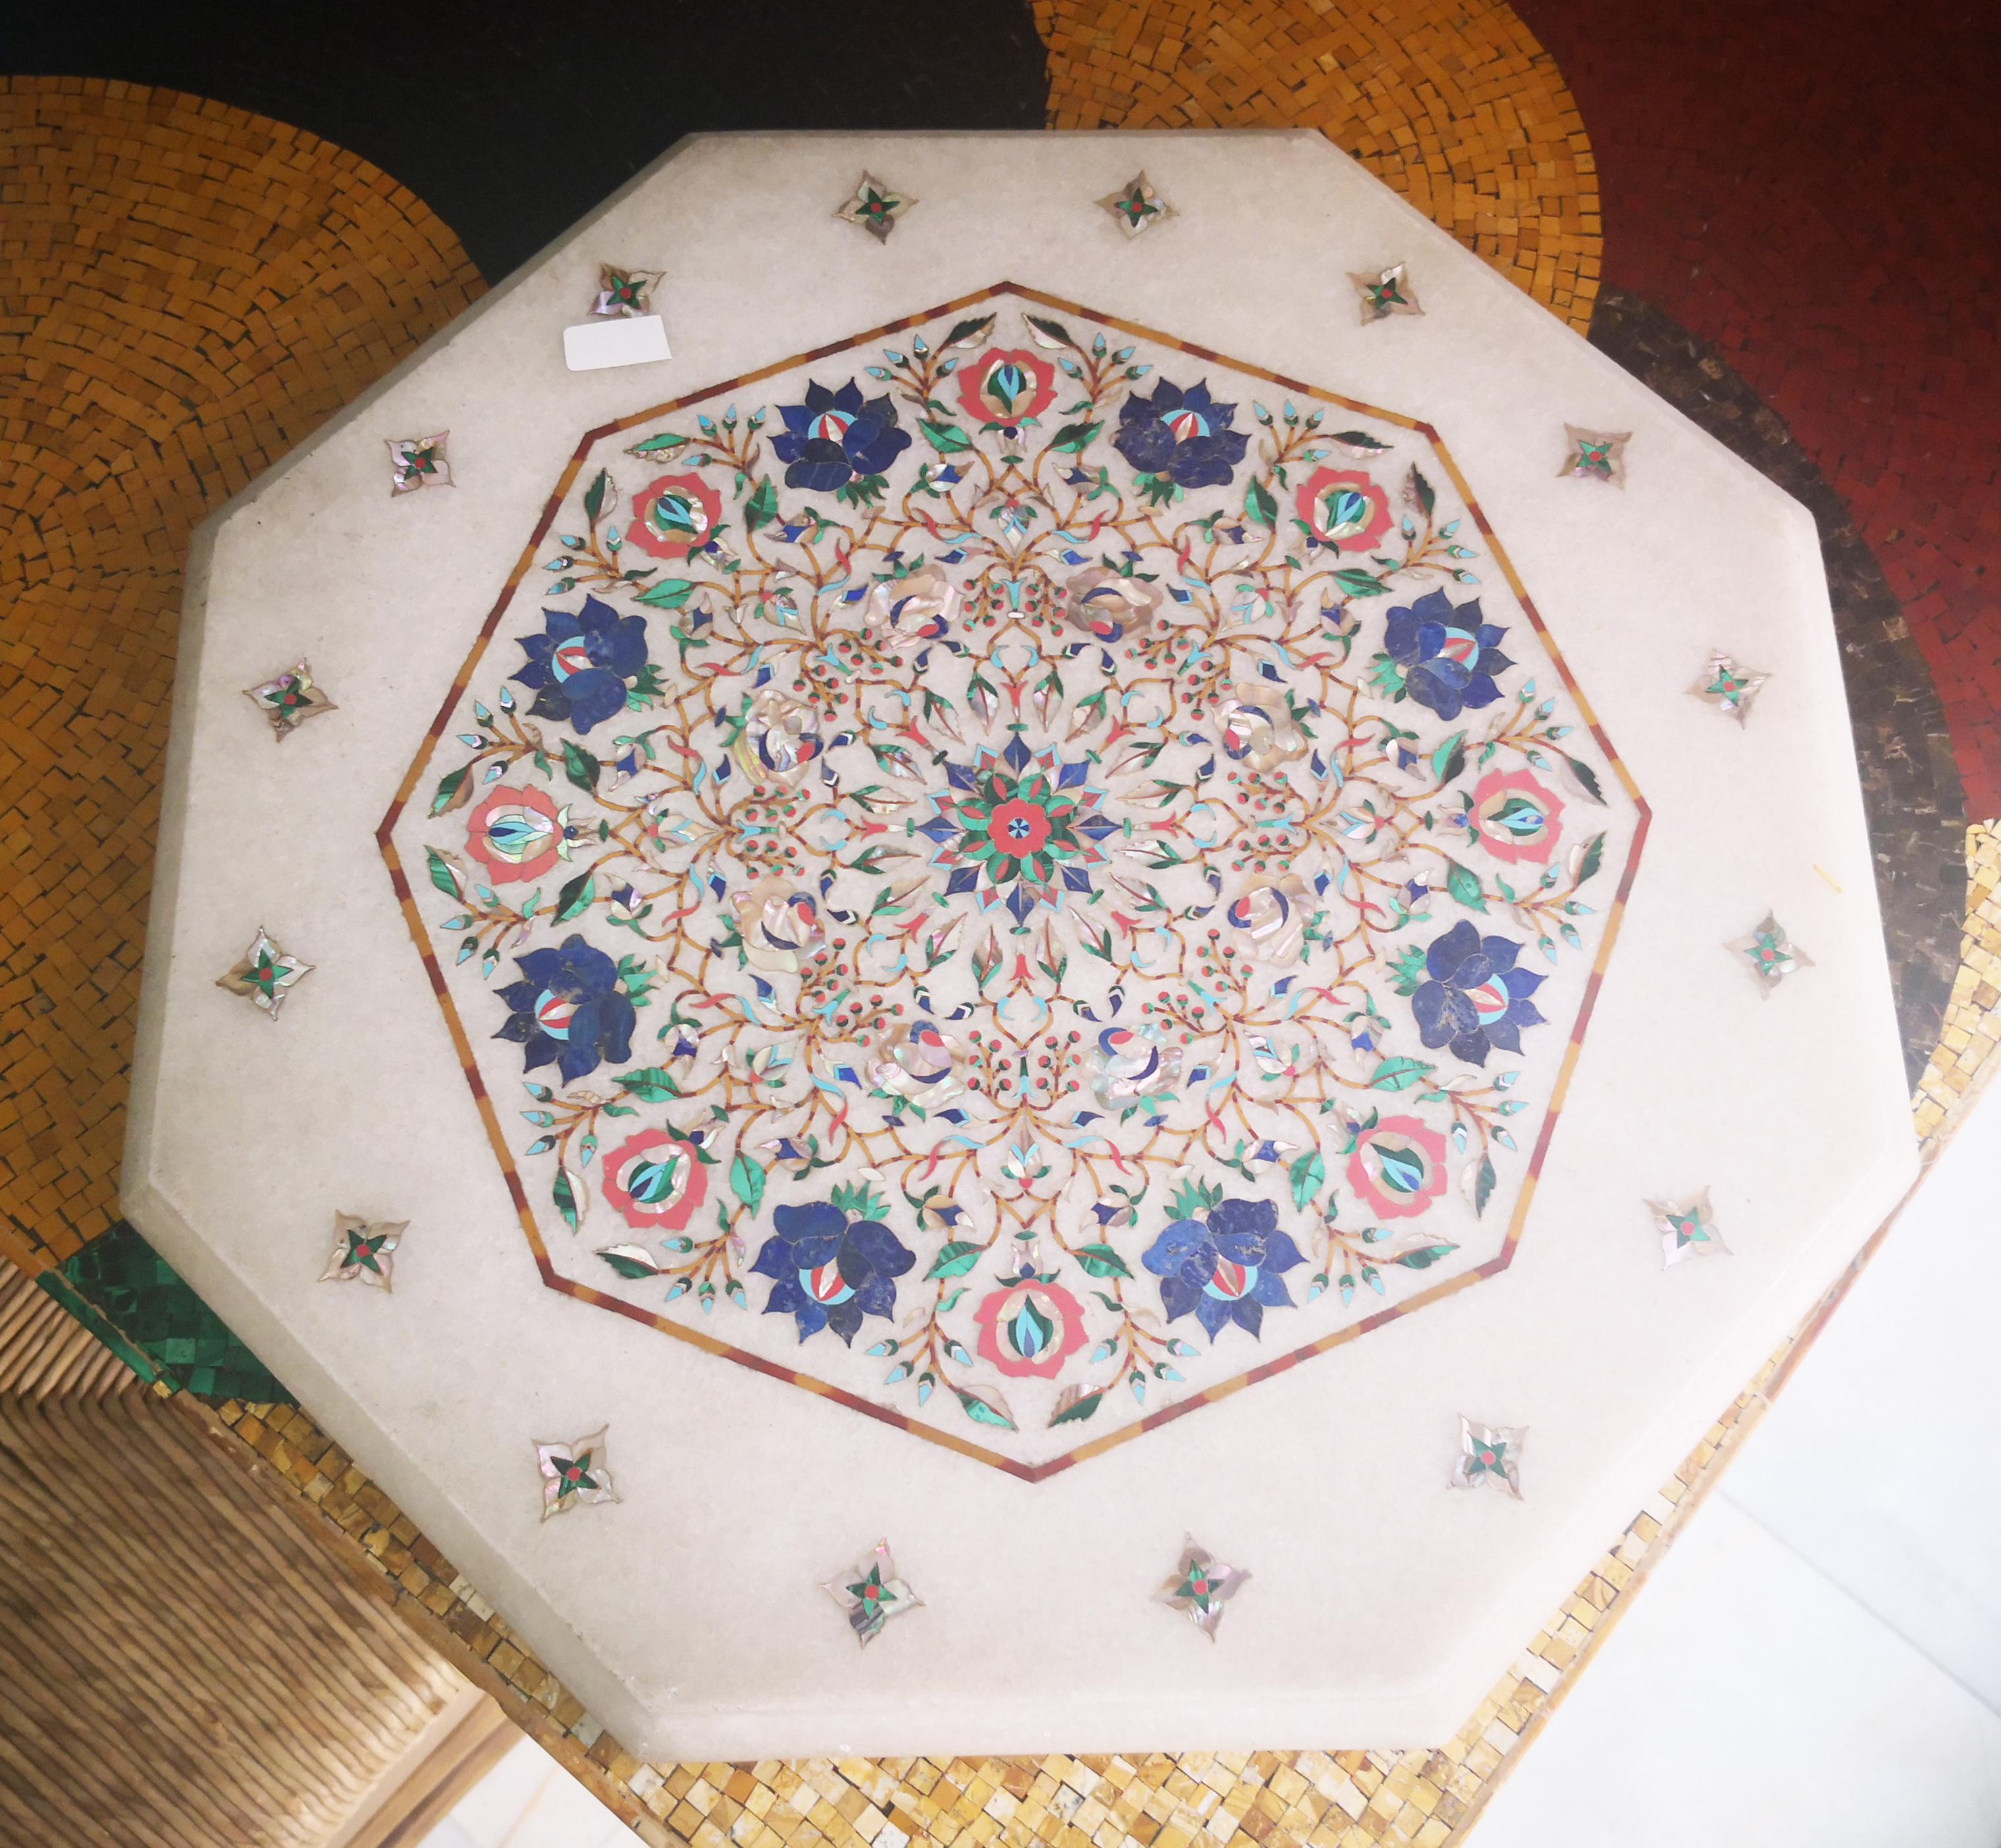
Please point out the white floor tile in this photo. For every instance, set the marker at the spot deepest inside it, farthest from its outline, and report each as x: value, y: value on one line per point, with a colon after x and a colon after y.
x: 1746, y: 1702
x: 1875, y: 1462
x: 492, y: 1806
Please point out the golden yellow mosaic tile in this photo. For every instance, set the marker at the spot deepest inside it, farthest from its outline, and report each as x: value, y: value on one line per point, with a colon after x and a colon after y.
x: 1457, y: 108
x: 1965, y: 1049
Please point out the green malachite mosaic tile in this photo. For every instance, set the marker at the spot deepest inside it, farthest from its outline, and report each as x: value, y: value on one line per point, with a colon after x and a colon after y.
x: 132, y: 1298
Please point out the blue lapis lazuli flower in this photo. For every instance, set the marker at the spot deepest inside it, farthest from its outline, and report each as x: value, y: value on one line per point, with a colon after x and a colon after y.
x: 836, y: 436
x: 583, y: 663
x: 1181, y: 438
x: 570, y: 1009
x: 1449, y: 656
x: 829, y: 1271
x: 1476, y: 999
x: 1224, y: 1267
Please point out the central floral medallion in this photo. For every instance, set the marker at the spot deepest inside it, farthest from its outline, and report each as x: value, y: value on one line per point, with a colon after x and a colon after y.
x: 1018, y: 828
x: 1016, y: 874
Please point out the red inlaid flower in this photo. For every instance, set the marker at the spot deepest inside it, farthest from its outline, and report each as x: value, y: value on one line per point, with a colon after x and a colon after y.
x: 516, y: 834
x: 673, y: 516
x: 1398, y: 1167
x: 1343, y: 508
x: 1515, y: 816
x: 1007, y: 387
x: 1019, y: 828
x: 656, y: 1181
x: 1029, y: 1328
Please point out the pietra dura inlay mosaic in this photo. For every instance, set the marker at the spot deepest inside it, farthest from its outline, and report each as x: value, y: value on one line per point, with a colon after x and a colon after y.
x: 1018, y: 872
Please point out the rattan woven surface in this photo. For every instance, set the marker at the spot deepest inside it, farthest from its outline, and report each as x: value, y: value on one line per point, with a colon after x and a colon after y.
x: 1455, y: 106
x: 179, y: 1665
x: 186, y: 292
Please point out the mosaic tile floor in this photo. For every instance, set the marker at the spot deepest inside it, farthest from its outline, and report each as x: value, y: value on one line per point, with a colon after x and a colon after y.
x: 58, y: 1139
x: 190, y: 293
x: 1856, y: 288
x: 1459, y: 110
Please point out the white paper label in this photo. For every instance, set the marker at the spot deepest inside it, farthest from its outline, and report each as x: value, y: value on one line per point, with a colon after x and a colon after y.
x: 623, y: 340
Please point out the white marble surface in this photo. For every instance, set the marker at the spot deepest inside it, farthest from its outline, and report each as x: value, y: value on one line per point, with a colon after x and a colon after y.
x: 1382, y: 1606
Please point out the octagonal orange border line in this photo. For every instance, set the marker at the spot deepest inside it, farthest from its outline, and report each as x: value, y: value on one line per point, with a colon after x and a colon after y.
x: 696, y: 1337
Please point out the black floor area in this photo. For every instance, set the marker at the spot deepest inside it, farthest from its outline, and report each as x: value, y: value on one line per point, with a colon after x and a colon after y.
x: 511, y: 121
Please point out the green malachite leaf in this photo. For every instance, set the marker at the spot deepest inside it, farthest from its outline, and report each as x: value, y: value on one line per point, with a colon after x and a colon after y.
x: 594, y: 495
x: 762, y: 508
x: 1424, y: 1257
x: 1361, y: 439
x: 1587, y: 779
x: 1463, y: 884
x: 653, y: 445
x: 1073, y: 438
x: 947, y: 438
x: 968, y: 333
x: 443, y: 876
x: 1046, y: 332
x: 1075, y: 1405
x: 1421, y: 492
x: 575, y: 896
x: 955, y: 1260
x: 630, y: 1260
x: 983, y: 1409
x: 563, y: 1193
x: 449, y: 790
x: 1101, y: 1261
x: 669, y: 593
x: 1361, y: 583
x: 1449, y: 759
x: 1483, y: 1188
x: 1259, y: 507
x: 580, y: 765
x: 1400, y: 1074
x: 1308, y: 1174
x: 746, y: 1181
x: 650, y: 1085
x: 1594, y: 858
x: 1408, y: 970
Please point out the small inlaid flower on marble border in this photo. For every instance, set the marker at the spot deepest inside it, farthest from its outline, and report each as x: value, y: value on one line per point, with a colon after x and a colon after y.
x: 264, y: 975
x: 1728, y: 686
x: 1596, y: 455
x: 624, y: 294
x: 1384, y: 293
x: 418, y: 462
x: 1770, y: 955
x: 1687, y: 1228
x: 574, y: 1472
x: 1489, y: 1454
x: 875, y: 206
x: 871, y: 1595
x: 1136, y: 206
x: 289, y: 699
x: 1201, y: 1586
x: 363, y: 1250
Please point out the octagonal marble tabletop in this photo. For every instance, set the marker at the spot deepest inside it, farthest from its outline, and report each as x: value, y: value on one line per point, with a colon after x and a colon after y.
x: 1067, y: 888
